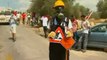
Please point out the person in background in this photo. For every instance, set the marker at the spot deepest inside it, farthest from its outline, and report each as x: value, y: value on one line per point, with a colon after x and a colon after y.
x: 74, y: 29
x: 83, y: 40
x: 33, y: 19
x: 15, y: 13
x: 18, y: 17
x: 23, y: 18
x: 13, y: 24
x: 44, y: 24
x: 28, y: 18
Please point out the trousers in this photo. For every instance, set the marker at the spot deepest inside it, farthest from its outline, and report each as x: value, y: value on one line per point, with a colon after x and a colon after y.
x: 83, y: 41
x: 57, y: 52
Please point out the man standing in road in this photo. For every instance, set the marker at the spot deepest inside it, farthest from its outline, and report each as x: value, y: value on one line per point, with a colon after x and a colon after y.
x: 13, y: 24
x: 56, y: 50
x: 44, y: 24
x: 18, y: 17
x: 74, y: 29
x: 84, y: 37
x: 23, y: 18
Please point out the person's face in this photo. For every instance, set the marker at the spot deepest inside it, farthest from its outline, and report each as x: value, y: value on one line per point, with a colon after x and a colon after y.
x: 83, y: 18
x: 59, y: 9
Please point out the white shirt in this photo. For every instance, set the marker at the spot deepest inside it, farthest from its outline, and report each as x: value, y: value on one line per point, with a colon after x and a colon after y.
x: 69, y: 25
x: 18, y: 15
x: 85, y: 26
x: 13, y: 20
x: 44, y: 21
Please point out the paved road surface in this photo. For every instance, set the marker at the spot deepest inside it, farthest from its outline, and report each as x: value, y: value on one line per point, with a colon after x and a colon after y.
x: 31, y: 46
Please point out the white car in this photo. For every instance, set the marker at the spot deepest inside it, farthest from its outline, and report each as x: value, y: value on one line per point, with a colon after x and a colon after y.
x: 4, y: 18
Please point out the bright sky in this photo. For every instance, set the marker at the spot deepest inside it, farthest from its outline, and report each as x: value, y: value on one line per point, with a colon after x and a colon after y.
x: 88, y: 3
x: 15, y: 4
x: 24, y: 4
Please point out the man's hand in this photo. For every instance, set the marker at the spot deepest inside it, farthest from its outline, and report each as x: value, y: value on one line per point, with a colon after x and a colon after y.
x: 69, y: 34
x: 52, y: 34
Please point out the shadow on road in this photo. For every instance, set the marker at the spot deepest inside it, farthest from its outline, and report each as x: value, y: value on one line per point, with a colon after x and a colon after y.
x: 97, y: 49
x: 4, y: 23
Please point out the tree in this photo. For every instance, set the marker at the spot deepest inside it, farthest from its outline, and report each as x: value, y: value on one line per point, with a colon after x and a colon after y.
x: 41, y: 6
x: 45, y: 7
x: 102, y: 8
x: 95, y: 15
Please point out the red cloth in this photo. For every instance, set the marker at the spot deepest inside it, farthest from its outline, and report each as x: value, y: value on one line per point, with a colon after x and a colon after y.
x: 74, y: 24
x: 23, y: 15
x: 15, y: 13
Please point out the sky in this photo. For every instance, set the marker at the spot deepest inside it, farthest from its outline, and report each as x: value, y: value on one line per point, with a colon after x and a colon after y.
x: 15, y: 4
x: 89, y: 3
x: 24, y: 4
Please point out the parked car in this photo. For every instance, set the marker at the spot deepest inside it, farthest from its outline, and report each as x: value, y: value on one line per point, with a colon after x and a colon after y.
x: 97, y: 36
x: 4, y: 18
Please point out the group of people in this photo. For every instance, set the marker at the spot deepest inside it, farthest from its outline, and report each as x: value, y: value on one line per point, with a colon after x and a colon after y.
x: 81, y: 41
x: 15, y: 19
x: 68, y: 26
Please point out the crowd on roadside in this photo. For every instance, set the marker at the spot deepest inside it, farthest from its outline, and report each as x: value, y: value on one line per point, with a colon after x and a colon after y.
x: 34, y: 20
x: 77, y: 24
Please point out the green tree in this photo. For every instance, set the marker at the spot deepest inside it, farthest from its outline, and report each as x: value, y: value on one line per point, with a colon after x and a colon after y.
x: 95, y: 15
x: 102, y: 8
x: 41, y: 6
x: 45, y: 7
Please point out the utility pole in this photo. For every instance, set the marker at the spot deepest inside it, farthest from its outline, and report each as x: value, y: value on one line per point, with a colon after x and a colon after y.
x: 8, y: 4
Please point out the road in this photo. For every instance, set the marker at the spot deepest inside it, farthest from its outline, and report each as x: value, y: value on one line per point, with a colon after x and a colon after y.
x: 31, y: 46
